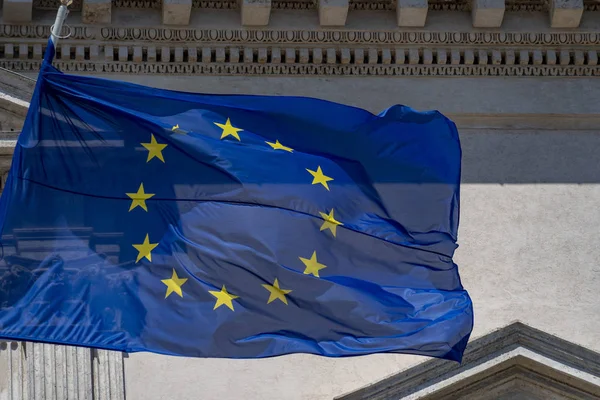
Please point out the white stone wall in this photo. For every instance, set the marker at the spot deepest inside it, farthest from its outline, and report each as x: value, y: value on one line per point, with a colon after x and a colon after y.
x: 528, y: 236
x: 529, y: 231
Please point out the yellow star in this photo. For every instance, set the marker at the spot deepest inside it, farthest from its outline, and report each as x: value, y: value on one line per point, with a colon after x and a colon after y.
x: 154, y: 149
x: 223, y: 298
x: 175, y: 127
x: 330, y: 222
x: 312, y: 265
x: 145, y: 249
x: 229, y: 129
x: 276, y: 292
x: 279, y: 146
x: 319, y: 177
x: 139, y: 198
x: 174, y: 284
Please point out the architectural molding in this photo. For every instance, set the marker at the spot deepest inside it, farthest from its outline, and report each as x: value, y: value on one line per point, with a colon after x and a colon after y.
x: 187, y: 51
x: 516, y: 361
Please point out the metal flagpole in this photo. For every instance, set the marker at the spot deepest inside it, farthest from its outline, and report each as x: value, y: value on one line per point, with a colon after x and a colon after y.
x: 61, y: 16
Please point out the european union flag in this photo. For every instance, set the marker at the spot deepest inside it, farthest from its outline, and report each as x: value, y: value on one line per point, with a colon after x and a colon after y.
x: 140, y: 219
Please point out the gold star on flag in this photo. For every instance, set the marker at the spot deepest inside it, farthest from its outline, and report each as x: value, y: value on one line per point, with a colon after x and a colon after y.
x: 154, y: 149
x: 319, y: 177
x: 145, y: 249
x: 175, y: 127
x: 174, y: 284
x: 279, y: 146
x: 329, y: 222
x: 312, y: 265
x: 229, y: 130
x: 276, y: 292
x: 223, y: 298
x: 139, y: 198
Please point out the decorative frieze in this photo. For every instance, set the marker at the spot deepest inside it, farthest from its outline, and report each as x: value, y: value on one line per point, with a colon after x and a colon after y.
x: 110, y: 49
x: 303, y: 37
x: 328, y: 61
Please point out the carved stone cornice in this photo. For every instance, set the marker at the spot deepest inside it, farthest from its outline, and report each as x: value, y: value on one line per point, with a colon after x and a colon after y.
x: 187, y: 51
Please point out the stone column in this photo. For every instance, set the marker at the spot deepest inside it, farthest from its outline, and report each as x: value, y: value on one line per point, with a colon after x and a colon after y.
x: 38, y: 371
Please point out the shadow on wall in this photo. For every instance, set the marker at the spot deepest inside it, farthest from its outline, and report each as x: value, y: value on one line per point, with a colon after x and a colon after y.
x: 530, y: 156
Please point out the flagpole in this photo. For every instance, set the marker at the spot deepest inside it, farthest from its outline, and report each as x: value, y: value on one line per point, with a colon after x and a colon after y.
x: 61, y: 16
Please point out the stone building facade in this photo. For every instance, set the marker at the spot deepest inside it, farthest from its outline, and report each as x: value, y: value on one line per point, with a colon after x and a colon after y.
x: 519, y: 77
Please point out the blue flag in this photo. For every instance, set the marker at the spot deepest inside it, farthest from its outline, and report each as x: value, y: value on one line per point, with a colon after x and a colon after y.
x: 141, y: 219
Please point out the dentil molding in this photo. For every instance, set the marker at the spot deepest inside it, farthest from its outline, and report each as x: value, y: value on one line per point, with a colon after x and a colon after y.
x: 338, y: 52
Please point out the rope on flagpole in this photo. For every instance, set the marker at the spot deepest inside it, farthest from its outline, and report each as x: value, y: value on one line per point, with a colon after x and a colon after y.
x: 61, y: 16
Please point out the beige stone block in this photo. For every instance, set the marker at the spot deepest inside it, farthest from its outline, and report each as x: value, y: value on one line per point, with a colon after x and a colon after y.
x: 138, y: 54
x: 234, y: 55
x: 345, y: 55
x: 359, y: 56
x: 386, y: 56
x: 330, y: 56
x: 290, y: 56
x: 263, y: 55
x: 565, y: 13
x: 94, y: 52
x: 497, y: 57
x: 413, y: 56
x: 564, y: 57
x: 249, y: 55
x: 109, y: 53
x: 255, y: 12
x: 317, y: 55
x: 509, y: 57
x: 469, y: 57
x: 487, y: 13
x: 96, y: 11
x: 176, y: 12
x: 524, y: 57
x: 551, y: 57
x: 275, y: 55
x: 206, y: 55
x: 592, y: 57
x: 372, y: 56
x: 411, y: 13
x: 9, y: 50
x: 23, y: 51
x: 220, y: 54
x: 333, y: 12
x: 442, y: 56
x: 304, y: 56
x: 399, y: 56
x: 80, y: 53
x: 192, y: 54
x: 483, y: 58
x: 165, y: 54
x: 151, y: 53
x: 538, y: 57
x: 123, y: 53
x: 427, y: 57
x: 17, y: 10
x: 178, y: 54
x: 38, y: 53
